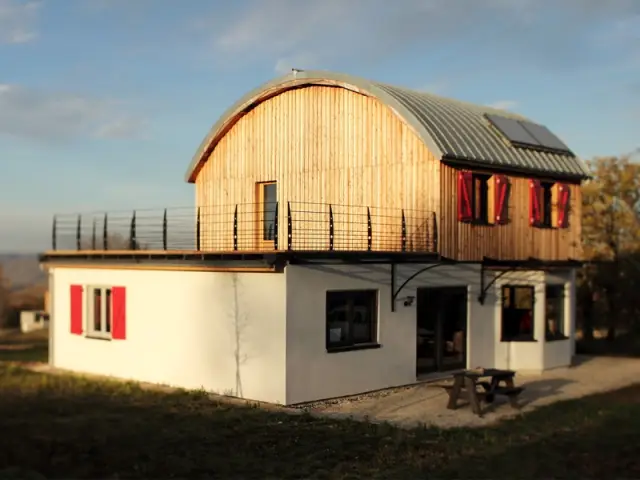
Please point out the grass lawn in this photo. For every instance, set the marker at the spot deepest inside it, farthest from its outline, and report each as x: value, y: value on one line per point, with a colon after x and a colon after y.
x: 64, y: 426
x: 25, y: 347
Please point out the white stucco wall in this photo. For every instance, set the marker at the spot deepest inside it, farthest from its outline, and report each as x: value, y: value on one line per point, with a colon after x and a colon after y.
x: 183, y: 329
x: 559, y: 353
x: 313, y: 373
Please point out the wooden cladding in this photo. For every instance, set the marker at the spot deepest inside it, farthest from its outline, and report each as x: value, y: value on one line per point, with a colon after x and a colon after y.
x: 509, y: 234
x: 323, y: 146
x: 344, y: 156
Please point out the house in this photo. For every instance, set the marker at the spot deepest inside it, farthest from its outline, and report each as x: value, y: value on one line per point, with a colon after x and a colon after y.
x: 347, y: 236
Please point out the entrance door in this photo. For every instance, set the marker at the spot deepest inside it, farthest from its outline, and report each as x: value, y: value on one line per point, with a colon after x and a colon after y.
x: 442, y: 329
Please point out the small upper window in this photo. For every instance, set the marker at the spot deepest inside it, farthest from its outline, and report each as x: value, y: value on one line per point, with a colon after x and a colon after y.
x: 473, y: 197
x: 481, y: 198
x: 549, y: 204
x: 546, y: 204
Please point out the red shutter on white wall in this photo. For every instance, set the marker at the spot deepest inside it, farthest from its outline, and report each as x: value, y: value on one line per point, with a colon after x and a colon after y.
x: 119, y: 309
x: 502, y: 199
x: 465, y: 188
x: 76, y: 309
x: 535, y: 213
x: 564, y: 203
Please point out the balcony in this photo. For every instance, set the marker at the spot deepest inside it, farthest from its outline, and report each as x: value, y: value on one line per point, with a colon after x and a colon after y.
x: 250, y: 228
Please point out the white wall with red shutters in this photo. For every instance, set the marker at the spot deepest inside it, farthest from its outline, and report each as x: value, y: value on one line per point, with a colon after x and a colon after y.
x: 221, y: 331
x: 262, y: 335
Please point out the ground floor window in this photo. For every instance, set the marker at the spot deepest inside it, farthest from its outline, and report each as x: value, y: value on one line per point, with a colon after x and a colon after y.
x: 100, y: 312
x: 554, y: 312
x: 517, y: 313
x: 352, y: 318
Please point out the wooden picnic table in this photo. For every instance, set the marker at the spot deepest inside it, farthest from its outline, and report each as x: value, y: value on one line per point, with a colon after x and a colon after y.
x: 498, y: 382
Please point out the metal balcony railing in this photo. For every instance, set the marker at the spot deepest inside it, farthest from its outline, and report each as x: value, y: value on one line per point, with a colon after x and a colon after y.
x: 300, y: 226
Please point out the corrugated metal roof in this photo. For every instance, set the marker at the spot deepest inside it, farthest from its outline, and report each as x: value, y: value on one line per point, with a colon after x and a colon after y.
x: 451, y: 129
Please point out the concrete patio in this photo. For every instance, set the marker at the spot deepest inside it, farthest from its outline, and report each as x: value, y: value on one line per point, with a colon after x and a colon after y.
x: 425, y: 403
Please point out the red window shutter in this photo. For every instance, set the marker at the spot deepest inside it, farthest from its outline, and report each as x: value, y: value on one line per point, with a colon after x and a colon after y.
x: 119, y: 313
x: 465, y: 187
x: 535, y: 214
x: 76, y: 309
x: 502, y: 199
x: 564, y: 197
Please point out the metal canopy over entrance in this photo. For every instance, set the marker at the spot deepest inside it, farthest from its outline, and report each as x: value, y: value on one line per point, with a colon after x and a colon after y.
x: 502, y: 267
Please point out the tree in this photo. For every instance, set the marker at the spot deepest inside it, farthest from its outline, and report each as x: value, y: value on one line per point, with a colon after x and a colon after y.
x: 611, y: 227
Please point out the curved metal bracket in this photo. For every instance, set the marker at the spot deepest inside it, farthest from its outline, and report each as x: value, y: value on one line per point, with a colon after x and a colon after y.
x: 395, y: 293
x: 485, y: 288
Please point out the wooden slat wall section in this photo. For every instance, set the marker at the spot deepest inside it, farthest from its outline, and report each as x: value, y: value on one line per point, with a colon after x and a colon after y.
x: 322, y: 145
x: 515, y: 241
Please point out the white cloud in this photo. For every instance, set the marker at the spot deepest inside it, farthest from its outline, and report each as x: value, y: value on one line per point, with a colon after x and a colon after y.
x: 123, y: 127
x: 503, y: 104
x: 57, y: 117
x: 17, y: 21
x: 326, y: 30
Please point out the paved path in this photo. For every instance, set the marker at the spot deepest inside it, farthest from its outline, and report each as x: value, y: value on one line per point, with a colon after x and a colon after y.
x: 425, y: 404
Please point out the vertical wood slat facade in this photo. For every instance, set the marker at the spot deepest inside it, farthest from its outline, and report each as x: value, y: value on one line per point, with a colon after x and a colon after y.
x: 517, y: 240
x: 322, y: 145
x: 328, y: 145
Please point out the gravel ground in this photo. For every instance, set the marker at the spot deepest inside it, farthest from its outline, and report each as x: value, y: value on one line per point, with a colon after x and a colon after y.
x: 425, y: 404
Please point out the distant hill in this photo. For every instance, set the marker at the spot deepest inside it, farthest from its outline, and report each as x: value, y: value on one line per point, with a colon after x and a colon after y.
x: 22, y: 270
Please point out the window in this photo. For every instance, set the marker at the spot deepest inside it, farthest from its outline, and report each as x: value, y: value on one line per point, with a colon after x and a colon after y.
x: 352, y: 318
x: 517, y: 313
x: 105, y: 309
x: 554, y: 312
x: 480, y: 198
x: 549, y: 204
x: 473, y: 197
x: 546, y: 204
x: 100, y: 312
x: 267, y: 201
x: 483, y: 199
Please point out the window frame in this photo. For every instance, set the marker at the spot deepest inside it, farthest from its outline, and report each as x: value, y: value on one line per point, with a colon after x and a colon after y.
x: 261, y: 216
x: 351, y: 344
x: 106, y: 312
x: 481, y: 182
x: 546, y: 204
x: 519, y: 337
x: 561, y: 299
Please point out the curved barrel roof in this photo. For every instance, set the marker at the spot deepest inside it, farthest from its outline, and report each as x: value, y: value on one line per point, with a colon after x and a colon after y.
x: 451, y: 129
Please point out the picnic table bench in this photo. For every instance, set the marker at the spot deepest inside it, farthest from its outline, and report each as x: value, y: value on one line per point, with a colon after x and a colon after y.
x: 499, y: 382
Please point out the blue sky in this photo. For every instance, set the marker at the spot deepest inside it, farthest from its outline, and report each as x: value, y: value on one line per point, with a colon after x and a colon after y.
x: 104, y: 102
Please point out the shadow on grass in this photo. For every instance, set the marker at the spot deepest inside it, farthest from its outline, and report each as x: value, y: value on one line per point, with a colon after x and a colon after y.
x: 595, y: 437
x: 71, y: 427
